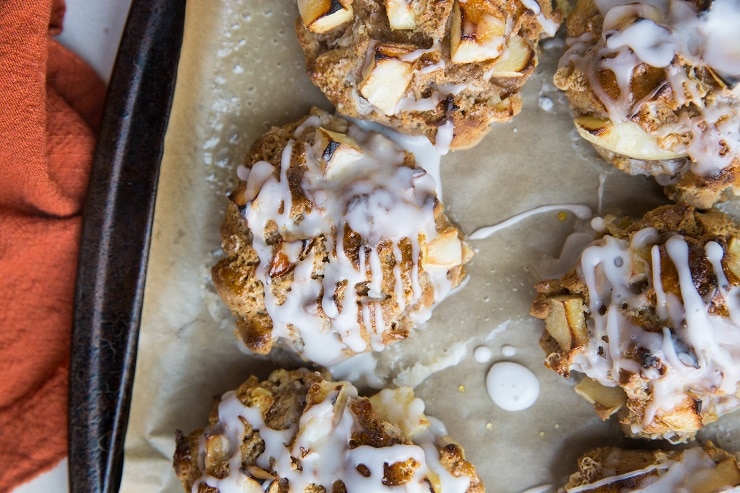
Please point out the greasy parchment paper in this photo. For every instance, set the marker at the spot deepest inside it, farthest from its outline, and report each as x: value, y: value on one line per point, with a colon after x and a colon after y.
x: 241, y: 71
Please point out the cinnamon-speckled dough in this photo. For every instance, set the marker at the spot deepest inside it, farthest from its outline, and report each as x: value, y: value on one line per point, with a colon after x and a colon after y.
x: 298, y: 431
x: 645, y: 316
x: 355, y: 254
x: 705, y: 469
x: 688, y: 109
x: 438, y: 91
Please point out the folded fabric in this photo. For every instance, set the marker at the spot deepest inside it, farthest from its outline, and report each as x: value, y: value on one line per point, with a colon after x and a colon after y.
x: 50, y: 106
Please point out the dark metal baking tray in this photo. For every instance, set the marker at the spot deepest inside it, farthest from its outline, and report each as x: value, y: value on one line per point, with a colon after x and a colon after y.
x: 115, y: 242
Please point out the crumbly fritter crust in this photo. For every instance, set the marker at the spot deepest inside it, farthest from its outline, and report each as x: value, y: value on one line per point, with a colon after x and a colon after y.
x: 282, y: 400
x: 242, y: 277
x: 622, y: 470
x: 569, y: 338
x: 678, y: 120
x: 470, y: 95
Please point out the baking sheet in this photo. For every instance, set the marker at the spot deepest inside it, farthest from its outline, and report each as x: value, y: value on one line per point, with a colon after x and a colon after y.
x: 241, y: 70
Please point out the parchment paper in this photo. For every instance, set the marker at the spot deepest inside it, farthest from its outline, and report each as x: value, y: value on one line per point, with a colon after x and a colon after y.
x: 241, y: 71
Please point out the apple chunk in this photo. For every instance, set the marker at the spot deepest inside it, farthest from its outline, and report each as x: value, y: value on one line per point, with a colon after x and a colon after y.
x: 386, y: 78
x: 519, y: 55
x: 606, y: 400
x: 400, y: 14
x: 625, y: 138
x: 731, y: 259
x: 477, y: 32
x: 566, y: 322
x: 320, y: 16
x: 443, y: 252
x: 338, y: 151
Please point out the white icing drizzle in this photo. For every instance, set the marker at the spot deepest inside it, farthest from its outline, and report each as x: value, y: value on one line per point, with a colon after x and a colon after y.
x: 320, y: 444
x: 360, y: 369
x: 417, y: 373
x: 672, y: 475
x: 548, y: 26
x: 428, y: 69
x: 482, y: 354
x: 508, y: 351
x: 426, y: 154
x: 581, y: 211
x: 698, y: 348
x: 242, y: 172
x: 669, y: 34
x: 410, y: 103
x: 416, y: 54
x: 511, y: 386
x: 600, y: 192
x: 556, y: 267
x: 544, y: 488
x: 443, y: 139
x: 379, y: 199
x: 454, y: 89
x: 312, y: 121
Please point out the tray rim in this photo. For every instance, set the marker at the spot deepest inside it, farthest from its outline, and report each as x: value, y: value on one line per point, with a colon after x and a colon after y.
x: 116, y: 235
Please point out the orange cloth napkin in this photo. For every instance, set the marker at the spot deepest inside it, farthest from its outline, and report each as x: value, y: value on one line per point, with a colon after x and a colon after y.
x: 50, y: 107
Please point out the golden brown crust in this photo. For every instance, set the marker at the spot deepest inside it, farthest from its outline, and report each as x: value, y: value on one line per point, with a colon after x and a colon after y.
x: 243, y: 291
x: 659, y: 112
x: 337, y: 62
x: 633, y: 469
x: 564, y: 305
x: 282, y: 400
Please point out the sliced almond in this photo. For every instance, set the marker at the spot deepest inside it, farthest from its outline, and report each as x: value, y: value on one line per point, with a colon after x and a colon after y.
x: 259, y: 473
